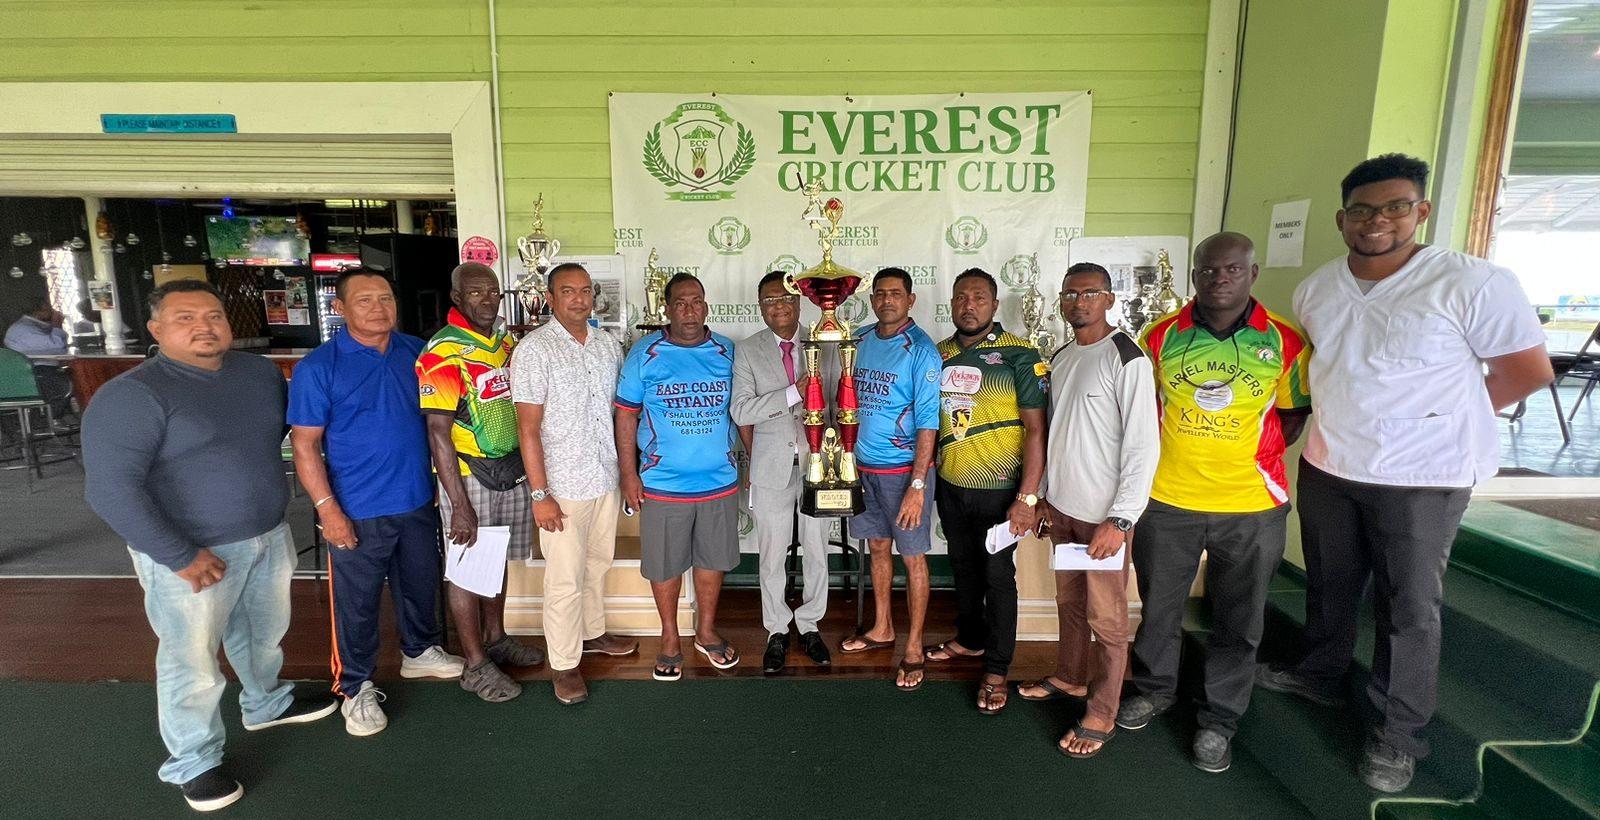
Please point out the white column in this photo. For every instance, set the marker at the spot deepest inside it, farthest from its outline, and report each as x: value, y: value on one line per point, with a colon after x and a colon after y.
x: 402, y: 216
x: 105, y: 272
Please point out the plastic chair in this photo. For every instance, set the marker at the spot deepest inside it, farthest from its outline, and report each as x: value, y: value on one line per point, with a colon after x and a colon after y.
x: 20, y: 394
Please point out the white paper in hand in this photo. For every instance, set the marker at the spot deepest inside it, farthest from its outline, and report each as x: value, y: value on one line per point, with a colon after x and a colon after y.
x: 482, y: 569
x: 1076, y: 556
x: 999, y: 537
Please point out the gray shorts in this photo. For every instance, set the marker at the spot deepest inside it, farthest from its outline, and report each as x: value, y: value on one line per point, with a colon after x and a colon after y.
x: 509, y: 508
x: 677, y: 535
x: 884, y: 492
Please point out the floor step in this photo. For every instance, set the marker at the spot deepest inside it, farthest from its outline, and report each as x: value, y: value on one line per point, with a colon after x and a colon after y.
x: 1543, y: 558
x: 1558, y: 781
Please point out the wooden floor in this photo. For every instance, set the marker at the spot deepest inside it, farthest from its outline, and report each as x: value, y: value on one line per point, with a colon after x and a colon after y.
x: 81, y: 630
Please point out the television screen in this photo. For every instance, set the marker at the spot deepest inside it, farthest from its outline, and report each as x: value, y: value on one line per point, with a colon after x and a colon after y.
x: 257, y: 240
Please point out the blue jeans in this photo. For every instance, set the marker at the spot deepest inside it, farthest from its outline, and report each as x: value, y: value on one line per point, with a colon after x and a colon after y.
x: 247, y: 613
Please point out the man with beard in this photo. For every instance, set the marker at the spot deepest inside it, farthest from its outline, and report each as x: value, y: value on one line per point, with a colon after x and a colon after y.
x: 1415, y: 348
x: 993, y: 393
x: 1231, y: 376
x: 472, y: 431
x: 1103, y: 447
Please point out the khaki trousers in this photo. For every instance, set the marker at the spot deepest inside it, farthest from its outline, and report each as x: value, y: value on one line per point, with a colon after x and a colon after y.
x: 575, y: 564
x: 1097, y: 603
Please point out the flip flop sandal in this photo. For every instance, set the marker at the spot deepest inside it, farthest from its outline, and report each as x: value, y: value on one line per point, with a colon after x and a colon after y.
x: 722, y: 649
x: 906, y: 666
x: 1088, y: 734
x: 868, y: 644
x: 1051, y: 692
x: 989, y: 690
x: 954, y: 656
x: 674, y: 665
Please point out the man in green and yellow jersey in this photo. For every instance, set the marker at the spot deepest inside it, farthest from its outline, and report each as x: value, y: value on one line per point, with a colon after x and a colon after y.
x: 472, y: 432
x: 993, y: 392
x: 1230, y: 377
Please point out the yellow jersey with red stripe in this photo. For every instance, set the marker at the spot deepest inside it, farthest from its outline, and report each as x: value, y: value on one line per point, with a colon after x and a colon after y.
x: 464, y: 374
x: 1220, y: 392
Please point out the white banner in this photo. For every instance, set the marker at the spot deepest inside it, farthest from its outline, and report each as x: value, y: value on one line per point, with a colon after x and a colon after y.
x: 932, y: 183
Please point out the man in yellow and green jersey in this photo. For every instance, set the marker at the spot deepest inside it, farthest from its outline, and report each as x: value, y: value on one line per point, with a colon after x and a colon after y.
x: 465, y: 389
x: 1230, y: 380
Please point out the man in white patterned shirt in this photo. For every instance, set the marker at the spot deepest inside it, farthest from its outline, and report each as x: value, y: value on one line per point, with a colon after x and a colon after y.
x: 563, y: 378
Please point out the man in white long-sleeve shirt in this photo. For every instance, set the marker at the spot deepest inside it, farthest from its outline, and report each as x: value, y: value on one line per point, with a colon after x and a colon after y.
x: 1102, y: 452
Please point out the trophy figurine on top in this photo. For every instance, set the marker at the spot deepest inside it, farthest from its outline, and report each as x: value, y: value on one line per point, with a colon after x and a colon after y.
x: 832, y: 483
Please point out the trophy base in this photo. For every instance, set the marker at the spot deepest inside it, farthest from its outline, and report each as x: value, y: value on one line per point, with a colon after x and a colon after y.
x: 832, y: 501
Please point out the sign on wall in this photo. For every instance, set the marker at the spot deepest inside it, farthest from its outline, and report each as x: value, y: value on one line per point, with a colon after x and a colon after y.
x: 934, y: 184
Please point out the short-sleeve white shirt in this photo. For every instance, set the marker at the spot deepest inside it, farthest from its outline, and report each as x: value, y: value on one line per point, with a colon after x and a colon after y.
x: 576, y: 384
x: 1396, y: 373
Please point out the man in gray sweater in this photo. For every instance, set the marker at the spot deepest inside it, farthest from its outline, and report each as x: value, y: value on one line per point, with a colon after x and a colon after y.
x: 182, y: 457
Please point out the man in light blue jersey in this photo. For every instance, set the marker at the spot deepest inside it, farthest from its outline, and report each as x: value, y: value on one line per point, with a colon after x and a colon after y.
x: 675, y: 454
x: 897, y: 386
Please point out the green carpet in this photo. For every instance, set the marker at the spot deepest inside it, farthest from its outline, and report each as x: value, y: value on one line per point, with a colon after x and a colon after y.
x: 725, y: 748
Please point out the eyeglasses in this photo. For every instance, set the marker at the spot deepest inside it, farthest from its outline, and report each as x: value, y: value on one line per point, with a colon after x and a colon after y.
x: 1392, y: 210
x: 1070, y: 296
x: 774, y: 301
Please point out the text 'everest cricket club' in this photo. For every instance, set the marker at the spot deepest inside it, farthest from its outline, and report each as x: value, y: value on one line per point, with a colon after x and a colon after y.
x: 699, y: 152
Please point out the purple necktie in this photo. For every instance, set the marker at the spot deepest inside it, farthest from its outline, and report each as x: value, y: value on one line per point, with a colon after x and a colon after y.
x: 788, y: 358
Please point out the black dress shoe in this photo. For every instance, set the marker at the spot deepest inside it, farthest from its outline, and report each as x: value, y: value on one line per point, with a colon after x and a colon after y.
x: 815, y: 649
x: 777, y: 650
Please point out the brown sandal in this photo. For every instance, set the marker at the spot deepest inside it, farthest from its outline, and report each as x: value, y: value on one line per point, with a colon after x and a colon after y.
x: 988, y: 693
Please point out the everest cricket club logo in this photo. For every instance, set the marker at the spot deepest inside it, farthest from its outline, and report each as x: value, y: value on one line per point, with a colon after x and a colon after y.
x: 729, y: 236
x: 854, y: 310
x: 966, y: 235
x: 699, y: 152
x: 788, y: 263
x: 1014, y: 273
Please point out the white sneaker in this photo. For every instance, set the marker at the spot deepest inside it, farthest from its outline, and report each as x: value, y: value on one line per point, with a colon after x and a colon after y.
x: 362, y: 714
x: 434, y: 662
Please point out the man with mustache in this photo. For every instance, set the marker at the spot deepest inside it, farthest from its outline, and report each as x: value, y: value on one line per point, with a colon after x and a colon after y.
x: 182, y: 457
x: 1403, y: 334
x: 1103, y: 447
x: 675, y: 454
x: 1231, y: 376
x: 993, y: 393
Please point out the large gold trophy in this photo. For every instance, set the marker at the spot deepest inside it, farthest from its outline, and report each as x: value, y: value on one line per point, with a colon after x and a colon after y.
x: 655, y: 295
x: 832, y: 483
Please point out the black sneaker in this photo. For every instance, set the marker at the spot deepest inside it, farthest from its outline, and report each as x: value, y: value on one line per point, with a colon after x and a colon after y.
x: 777, y: 651
x: 302, y: 709
x: 1211, y: 751
x: 212, y: 790
x: 1137, y: 712
x: 1285, y: 679
x: 816, y: 649
x: 1385, y: 768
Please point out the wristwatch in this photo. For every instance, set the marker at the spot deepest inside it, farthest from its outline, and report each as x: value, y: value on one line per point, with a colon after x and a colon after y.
x: 918, y: 484
x: 1121, y: 523
x: 539, y: 495
x: 1031, y: 499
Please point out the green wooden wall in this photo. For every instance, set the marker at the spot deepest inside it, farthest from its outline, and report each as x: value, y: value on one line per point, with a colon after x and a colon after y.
x: 1143, y: 59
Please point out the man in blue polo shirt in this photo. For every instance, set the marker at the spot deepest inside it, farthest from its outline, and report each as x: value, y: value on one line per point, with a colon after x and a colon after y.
x: 675, y: 453
x: 897, y: 387
x: 355, y: 399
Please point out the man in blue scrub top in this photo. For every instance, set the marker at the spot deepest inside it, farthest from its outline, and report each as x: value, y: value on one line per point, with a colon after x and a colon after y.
x: 361, y: 451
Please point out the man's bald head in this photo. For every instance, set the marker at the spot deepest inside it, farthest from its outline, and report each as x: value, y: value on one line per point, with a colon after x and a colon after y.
x: 1223, y: 243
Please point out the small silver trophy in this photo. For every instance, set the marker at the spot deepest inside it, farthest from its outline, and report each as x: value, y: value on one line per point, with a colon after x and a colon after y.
x: 538, y: 251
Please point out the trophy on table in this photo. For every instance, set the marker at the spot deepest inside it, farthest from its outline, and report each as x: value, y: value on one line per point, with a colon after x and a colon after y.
x: 832, y: 483
x: 538, y: 251
x: 655, y: 295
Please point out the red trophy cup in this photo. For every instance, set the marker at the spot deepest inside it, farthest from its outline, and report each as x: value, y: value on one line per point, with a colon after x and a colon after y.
x: 832, y: 484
